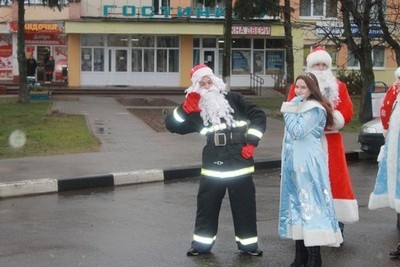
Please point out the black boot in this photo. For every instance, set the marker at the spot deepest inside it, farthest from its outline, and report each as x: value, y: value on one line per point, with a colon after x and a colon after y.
x: 301, y: 257
x: 314, y: 257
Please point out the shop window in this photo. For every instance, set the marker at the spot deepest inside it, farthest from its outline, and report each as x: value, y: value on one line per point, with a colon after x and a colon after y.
x: 148, y: 56
x: 209, y: 42
x: 241, y: 43
x: 142, y: 41
x: 98, y: 57
x: 258, y: 62
x: 196, y: 42
x: 173, y: 62
x: 167, y: 41
x: 258, y: 43
x: 318, y: 8
x: 136, y: 60
x: 92, y: 40
x: 117, y: 40
x: 86, y: 59
x: 241, y: 62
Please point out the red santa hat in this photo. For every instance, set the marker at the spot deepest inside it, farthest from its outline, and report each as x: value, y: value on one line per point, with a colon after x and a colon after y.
x: 199, y: 71
x: 397, y: 74
x: 319, y: 55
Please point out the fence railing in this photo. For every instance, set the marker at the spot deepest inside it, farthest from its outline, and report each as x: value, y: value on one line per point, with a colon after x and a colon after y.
x: 256, y: 83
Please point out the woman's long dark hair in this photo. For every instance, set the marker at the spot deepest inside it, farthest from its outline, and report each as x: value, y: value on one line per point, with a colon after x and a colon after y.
x: 315, y: 93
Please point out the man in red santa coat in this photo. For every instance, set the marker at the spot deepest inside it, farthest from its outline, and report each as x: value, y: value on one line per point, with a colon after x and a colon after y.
x: 319, y: 62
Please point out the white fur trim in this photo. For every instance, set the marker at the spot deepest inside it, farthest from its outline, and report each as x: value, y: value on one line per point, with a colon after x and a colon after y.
x: 320, y: 56
x: 338, y: 120
x: 380, y: 155
x: 288, y: 107
x: 200, y: 73
x: 346, y: 210
x: 397, y: 74
x: 378, y: 201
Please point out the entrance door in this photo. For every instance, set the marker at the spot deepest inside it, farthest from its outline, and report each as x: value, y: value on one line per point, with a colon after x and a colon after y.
x: 210, y: 60
x: 43, y: 53
x: 118, y: 66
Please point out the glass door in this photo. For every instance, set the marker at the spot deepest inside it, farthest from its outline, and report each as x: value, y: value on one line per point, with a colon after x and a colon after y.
x: 118, y: 66
x: 43, y: 53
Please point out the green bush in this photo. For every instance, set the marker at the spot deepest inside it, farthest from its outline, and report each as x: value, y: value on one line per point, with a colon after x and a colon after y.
x: 352, y: 78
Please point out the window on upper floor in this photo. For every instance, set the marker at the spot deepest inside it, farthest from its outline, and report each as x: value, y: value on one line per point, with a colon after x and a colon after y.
x: 378, y: 58
x: 318, y: 8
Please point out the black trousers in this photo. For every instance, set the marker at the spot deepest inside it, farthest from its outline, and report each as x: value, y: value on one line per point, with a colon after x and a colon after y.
x: 243, y: 206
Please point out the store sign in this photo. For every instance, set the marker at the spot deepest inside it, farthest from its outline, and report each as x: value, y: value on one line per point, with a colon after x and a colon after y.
x: 375, y: 30
x: 148, y: 11
x: 251, y: 30
x: 39, y: 27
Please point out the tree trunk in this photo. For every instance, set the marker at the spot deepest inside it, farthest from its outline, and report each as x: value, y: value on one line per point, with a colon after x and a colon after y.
x: 226, y: 67
x: 288, y: 45
x: 23, y: 93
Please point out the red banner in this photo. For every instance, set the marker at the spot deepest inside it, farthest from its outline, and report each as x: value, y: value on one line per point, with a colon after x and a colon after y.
x: 39, y: 27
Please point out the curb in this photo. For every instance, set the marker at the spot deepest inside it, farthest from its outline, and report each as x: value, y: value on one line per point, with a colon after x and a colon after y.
x: 52, y: 185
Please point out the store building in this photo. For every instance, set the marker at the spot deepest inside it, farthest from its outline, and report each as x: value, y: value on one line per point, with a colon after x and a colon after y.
x: 154, y: 43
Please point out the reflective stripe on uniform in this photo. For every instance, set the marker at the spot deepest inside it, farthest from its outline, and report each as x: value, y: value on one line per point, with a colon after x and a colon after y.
x: 247, y: 241
x: 222, y: 126
x: 255, y: 133
x: 227, y: 174
x: 204, y: 240
x: 177, y: 117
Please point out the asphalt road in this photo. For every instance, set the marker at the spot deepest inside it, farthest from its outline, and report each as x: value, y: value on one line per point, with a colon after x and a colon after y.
x: 152, y: 224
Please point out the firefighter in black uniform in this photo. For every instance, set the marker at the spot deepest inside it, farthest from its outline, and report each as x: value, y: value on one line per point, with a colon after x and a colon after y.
x: 233, y: 127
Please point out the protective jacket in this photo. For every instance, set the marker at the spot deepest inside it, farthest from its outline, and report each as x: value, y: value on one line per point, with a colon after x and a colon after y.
x: 221, y: 155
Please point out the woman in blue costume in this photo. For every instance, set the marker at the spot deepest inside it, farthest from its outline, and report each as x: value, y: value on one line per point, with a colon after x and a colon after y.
x: 306, y: 212
x: 387, y: 186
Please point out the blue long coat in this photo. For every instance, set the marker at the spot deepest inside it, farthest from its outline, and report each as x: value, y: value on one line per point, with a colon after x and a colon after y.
x: 387, y: 185
x: 306, y: 204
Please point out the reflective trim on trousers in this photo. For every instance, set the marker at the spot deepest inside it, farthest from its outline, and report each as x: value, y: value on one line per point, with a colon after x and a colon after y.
x: 247, y: 241
x: 204, y: 240
x: 227, y: 174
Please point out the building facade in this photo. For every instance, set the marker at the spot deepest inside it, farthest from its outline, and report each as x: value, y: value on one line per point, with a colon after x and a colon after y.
x: 154, y: 43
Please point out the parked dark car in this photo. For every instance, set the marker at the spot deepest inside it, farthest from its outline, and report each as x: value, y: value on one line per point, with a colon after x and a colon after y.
x: 371, y: 136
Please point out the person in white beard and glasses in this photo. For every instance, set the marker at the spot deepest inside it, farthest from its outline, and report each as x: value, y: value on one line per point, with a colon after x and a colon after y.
x: 319, y: 63
x: 233, y: 127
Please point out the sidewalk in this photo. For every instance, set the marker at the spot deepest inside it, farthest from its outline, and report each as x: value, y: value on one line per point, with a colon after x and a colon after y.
x: 131, y: 152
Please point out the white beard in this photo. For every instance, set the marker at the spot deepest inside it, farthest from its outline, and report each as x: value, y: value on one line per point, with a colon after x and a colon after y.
x: 214, y: 107
x: 328, y: 85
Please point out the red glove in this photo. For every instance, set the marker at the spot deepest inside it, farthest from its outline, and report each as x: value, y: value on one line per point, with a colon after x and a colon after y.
x: 191, y: 103
x: 248, y: 151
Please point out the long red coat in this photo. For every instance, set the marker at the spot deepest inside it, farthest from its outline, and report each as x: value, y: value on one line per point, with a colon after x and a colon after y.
x: 346, y: 206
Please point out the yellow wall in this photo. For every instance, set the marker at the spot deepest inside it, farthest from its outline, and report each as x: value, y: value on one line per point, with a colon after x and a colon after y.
x: 186, y: 59
x: 73, y: 60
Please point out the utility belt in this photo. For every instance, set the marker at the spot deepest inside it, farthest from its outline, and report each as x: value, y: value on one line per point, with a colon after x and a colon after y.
x: 226, y: 138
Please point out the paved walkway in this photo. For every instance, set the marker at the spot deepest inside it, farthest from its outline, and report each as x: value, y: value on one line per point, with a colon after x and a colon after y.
x: 131, y: 152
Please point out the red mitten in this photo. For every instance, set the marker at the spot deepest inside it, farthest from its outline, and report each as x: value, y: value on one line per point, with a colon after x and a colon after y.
x: 248, y: 151
x: 191, y: 103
